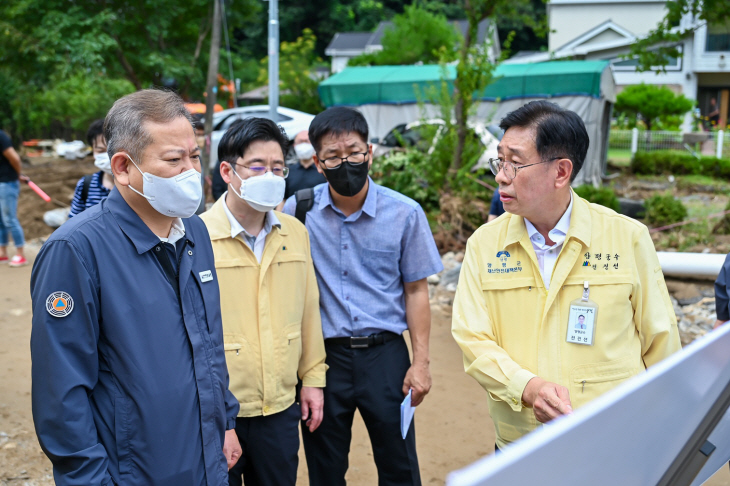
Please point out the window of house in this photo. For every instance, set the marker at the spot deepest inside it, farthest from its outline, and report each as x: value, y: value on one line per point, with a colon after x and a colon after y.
x: 620, y: 64
x: 718, y: 38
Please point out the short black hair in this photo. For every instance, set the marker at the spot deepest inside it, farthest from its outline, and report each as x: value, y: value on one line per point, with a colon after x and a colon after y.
x: 243, y: 133
x: 581, y: 316
x: 558, y: 132
x: 95, y: 129
x: 336, y: 121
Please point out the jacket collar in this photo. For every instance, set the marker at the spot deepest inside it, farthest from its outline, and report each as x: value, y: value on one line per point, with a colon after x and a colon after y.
x: 132, y: 225
x: 219, y: 226
x: 580, y: 224
x: 369, y: 207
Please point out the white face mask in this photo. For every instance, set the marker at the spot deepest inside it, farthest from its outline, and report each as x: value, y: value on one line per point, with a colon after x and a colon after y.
x: 304, y: 151
x: 263, y: 193
x: 103, y: 162
x: 176, y: 197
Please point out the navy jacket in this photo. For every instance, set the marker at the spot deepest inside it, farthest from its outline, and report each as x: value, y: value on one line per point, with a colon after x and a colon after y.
x: 130, y: 384
x: 722, y: 292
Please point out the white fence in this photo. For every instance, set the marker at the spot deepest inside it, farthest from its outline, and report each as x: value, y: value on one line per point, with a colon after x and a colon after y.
x: 714, y: 144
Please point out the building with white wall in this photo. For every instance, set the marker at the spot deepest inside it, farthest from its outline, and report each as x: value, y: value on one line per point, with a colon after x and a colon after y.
x: 606, y: 29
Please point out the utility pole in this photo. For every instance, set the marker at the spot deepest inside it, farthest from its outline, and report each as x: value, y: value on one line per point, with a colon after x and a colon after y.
x: 273, y: 59
x: 211, y: 87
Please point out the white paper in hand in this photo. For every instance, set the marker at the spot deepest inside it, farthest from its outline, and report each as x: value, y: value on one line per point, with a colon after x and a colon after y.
x: 406, y: 414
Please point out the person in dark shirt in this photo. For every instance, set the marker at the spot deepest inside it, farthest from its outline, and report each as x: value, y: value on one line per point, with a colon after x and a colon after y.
x: 101, y: 182
x: 9, y: 192
x: 304, y: 174
x: 722, y: 294
x: 496, y: 209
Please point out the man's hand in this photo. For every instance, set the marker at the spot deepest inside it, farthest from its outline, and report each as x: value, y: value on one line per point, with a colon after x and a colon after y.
x: 418, y: 379
x: 231, y: 448
x: 548, y: 400
x: 718, y: 323
x: 24, y: 178
x: 312, y: 401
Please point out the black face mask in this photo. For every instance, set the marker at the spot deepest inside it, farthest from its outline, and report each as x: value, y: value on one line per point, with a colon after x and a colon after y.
x: 347, y: 179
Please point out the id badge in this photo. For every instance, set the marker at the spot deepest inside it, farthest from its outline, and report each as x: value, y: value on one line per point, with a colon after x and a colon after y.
x: 582, y: 319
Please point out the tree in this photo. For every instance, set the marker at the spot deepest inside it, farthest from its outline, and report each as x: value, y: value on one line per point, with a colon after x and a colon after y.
x: 417, y: 35
x: 651, y: 103
x: 45, y: 43
x: 661, y: 44
x: 297, y: 77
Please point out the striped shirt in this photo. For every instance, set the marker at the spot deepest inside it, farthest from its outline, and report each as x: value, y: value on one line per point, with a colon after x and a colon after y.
x: 97, y: 193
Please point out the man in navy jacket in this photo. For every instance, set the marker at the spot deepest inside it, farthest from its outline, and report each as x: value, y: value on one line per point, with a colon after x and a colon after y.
x: 130, y: 384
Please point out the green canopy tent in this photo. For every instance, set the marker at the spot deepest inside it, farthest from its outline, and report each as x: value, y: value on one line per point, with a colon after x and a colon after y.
x: 389, y: 96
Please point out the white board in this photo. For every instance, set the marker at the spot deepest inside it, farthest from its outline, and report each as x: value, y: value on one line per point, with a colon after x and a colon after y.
x: 629, y: 436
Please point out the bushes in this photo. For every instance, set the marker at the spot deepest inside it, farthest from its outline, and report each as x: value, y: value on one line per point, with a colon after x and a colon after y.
x: 679, y: 163
x: 605, y: 196
x: 664, y: 209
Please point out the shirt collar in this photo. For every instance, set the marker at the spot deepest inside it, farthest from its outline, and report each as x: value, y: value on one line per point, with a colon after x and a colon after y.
x: 369, y: 207
x: 131, y: 224
x: 236, y: 229
x: 557, y: 234
x: 177, y: 231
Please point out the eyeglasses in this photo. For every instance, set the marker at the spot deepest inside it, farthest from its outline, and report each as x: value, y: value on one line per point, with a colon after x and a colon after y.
x: 510, y: 170
x: 355, y: 159
x: 257, y: 170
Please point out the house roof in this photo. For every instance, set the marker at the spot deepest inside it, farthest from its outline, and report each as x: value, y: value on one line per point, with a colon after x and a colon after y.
x: 606, y: 35
x: 372, y: 41
x: 349, y: 41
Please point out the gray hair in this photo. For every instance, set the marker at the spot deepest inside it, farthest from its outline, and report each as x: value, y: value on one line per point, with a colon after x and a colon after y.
x: 124, y: 125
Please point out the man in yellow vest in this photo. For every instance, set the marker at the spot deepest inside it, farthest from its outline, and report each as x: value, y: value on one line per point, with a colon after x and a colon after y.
x: 272, y: 329
x: 529, y: 275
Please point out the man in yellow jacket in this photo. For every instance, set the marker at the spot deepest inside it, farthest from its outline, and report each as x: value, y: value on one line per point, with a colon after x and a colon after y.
x: 272, y: 329
x: 529, y: 276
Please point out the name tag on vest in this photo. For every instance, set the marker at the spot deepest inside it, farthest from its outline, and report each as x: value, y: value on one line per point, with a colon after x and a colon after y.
x: 206, y: 276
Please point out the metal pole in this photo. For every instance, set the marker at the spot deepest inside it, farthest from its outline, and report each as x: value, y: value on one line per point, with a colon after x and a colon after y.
x: 273, y: 59
x: 718, y: 149
x: 634, y: 140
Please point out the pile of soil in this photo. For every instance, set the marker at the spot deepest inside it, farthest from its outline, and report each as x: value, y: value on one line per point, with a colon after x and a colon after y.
x: 58, y: 179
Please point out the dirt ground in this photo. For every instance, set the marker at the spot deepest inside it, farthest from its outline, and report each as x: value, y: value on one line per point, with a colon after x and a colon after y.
x: 453, y: 427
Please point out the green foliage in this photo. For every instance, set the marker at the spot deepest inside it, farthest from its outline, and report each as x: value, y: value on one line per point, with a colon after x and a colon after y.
x: 658, y: 106
x: 679, y: 163
x: 297, y: 81
x: 668, y: 37
x: 77, y: 101
x: 417, y: 35
x: 664, y: 209
x: 405, y: 172
x: 605, y: 196
x: 49, y: 45
x: 723, y: 226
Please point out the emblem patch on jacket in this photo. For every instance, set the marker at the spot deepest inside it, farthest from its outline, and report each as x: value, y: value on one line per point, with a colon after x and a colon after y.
x: 59, y: 304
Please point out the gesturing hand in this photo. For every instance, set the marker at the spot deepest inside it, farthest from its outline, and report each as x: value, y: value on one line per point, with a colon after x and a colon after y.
x: 548, y: 400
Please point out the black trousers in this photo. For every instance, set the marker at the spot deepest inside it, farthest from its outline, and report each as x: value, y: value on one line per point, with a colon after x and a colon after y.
x: 270, y: 447
x: 371, y: 381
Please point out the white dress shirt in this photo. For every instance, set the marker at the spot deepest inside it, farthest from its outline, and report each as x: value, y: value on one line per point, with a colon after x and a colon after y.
x: 177, y: 231
x: 548, y: 255
x: 256, y: 243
